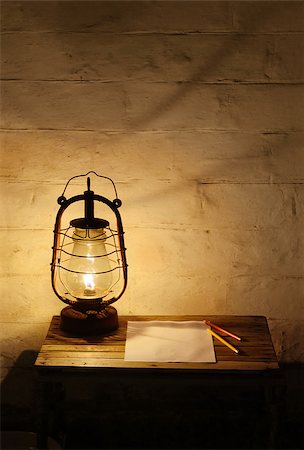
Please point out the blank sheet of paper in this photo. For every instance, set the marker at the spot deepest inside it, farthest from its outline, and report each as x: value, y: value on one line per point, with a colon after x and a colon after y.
x: 169, y: 341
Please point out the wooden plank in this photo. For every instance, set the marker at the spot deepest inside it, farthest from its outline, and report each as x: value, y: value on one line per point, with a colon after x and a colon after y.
x: 254, y: 328
x: 262, y: 348
x: 222, y: 159
x: 149, y: 17
x: 84, y: 357
x: 221, y: 354
x: 43, y: 49
x: 118, y: 17
x: 120, y: 106
x: 118, y: 363
x: 81, y: 348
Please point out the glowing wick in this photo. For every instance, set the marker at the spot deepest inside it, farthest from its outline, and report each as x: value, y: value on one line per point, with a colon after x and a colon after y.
x: 89, y: 284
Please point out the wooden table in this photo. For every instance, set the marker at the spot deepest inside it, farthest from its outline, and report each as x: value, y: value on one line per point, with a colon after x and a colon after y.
x: 62, y: 356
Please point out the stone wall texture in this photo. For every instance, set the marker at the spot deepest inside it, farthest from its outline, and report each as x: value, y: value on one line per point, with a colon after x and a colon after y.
x: 195, y: 109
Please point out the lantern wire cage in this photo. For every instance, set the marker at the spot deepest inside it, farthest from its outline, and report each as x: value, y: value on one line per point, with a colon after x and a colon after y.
x: 67, y: 241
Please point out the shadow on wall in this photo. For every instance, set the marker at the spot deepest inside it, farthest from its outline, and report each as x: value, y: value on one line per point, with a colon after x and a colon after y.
x: 163, y: 105
x: 140, y: 12
x: 18, y: 394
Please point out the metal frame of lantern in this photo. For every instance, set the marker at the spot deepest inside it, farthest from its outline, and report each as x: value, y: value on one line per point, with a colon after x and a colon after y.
x: 90, y: 315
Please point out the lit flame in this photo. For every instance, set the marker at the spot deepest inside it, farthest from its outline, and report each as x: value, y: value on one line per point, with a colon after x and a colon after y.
x: 89, y: 281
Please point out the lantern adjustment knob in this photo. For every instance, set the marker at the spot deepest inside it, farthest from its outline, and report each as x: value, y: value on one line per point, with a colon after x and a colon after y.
x: 117, y: 202
x: 61, y: 200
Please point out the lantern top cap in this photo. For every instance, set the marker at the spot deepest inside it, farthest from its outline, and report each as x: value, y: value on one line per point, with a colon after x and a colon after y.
x: 85, y: 223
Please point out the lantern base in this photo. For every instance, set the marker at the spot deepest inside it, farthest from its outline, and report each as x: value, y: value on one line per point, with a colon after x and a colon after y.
x: 89, y: 323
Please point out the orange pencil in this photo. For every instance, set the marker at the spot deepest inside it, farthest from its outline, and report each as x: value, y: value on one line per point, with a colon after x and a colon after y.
x: 207, y: 322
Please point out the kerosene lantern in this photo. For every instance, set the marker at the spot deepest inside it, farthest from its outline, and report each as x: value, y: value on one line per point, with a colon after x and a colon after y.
x: 89, y: 267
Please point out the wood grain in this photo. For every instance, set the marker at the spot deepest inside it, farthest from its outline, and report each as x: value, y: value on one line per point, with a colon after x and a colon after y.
x: 256, y: 350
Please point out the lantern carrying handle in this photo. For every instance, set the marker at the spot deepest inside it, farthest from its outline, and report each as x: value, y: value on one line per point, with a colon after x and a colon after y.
x: 85, y: 175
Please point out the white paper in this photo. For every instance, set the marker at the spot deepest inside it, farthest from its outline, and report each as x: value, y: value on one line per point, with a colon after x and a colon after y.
x: 169, y: 341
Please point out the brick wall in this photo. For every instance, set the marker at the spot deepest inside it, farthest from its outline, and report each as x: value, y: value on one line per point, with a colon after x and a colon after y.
x: 195, y: 109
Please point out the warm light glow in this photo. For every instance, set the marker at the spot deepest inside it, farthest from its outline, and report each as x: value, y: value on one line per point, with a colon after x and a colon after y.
x: 89, y: 284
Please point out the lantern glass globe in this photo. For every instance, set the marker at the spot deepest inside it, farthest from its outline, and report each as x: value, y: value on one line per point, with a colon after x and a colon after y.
x: 88, y: 275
